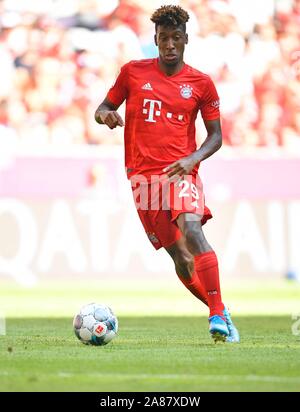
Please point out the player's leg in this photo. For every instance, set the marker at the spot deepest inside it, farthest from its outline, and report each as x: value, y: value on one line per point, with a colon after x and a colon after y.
x: 206, y: 267
x: 205, y: 259
x: 162, y: 232
x: 190, y: 213
x: 184, y: 266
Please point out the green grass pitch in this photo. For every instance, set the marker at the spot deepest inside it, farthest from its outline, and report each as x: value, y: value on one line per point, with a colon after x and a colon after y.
x: 163, y: 342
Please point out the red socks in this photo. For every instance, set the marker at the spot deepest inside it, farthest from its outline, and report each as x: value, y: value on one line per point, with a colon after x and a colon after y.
x: 205, y: 283
x: 206, y: 267
x: 194, y: 286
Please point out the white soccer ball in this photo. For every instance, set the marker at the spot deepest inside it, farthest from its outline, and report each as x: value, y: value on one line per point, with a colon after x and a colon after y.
x: 95, y: 324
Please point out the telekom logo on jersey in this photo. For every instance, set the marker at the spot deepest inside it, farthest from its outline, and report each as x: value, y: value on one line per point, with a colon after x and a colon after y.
x: 153, y: 108
x: 150, y: 112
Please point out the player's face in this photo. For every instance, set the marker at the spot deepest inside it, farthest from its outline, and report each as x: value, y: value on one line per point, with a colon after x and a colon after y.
x: 171, y: 42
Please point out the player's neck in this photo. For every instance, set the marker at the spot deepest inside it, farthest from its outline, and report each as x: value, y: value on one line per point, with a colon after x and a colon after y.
x: 170, y: 70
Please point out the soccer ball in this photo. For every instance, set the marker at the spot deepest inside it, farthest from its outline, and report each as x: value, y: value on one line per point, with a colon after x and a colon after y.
x: 95, y: 324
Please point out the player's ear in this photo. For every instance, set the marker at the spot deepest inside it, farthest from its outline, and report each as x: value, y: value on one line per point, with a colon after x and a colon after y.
x: 186, y: 38
x: 155, y: 39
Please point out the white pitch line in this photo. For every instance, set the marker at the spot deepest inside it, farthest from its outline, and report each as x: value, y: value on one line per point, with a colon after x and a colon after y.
x: 252, y: 378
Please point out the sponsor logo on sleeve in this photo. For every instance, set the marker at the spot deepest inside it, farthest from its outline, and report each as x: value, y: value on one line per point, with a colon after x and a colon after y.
x: 215, y: 104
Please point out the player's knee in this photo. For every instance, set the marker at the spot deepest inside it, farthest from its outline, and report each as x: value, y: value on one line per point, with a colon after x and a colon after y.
x: 194, y: 238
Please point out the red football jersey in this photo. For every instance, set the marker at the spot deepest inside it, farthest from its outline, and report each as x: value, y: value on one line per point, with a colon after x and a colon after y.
x: 160, y: 113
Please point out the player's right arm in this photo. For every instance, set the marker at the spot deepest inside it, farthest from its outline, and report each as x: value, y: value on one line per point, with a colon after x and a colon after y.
x: 107, y: 114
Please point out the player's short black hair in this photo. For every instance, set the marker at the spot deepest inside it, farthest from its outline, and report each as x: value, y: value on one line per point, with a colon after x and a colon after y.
x: 172, y: 16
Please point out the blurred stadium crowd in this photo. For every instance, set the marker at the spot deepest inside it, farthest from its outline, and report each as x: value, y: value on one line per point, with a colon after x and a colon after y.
x: 59, y: 57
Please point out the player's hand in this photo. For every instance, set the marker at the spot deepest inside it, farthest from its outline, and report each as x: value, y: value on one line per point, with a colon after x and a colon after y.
x: 180, y: 168
x: 111, y: 118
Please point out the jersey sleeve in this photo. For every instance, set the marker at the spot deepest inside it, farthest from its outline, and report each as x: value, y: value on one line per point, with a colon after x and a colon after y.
x: 210, y: 102
x: 119, y: 91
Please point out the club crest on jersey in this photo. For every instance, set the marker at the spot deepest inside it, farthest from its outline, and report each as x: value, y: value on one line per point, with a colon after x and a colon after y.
x: 186, y: 91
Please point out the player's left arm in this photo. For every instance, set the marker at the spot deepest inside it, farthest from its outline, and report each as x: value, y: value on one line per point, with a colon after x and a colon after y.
x: 211, y: 144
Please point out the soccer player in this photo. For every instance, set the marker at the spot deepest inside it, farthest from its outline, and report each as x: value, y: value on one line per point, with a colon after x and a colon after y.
x: 163, y: 97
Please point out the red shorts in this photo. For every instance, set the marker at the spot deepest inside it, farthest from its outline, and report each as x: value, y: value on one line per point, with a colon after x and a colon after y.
x: 160, y: 202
